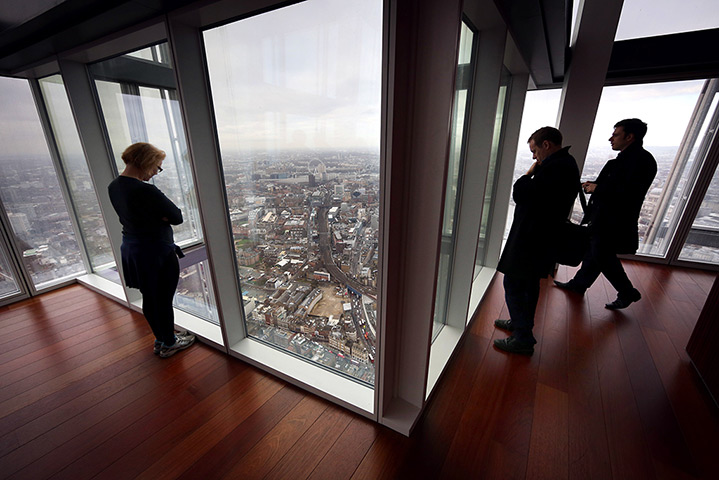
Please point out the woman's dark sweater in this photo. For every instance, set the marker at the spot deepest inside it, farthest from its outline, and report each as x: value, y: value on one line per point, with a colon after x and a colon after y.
x: 145, y: 212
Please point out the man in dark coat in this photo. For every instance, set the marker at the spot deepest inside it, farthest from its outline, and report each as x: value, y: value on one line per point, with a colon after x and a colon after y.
x: 613, y: 213
x: 543, y: 197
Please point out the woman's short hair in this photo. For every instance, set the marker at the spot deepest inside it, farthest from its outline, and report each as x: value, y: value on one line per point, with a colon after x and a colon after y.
x: 142, y: 155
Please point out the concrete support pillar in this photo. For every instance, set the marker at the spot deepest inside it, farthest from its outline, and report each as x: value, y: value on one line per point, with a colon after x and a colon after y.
x: 583, y: 83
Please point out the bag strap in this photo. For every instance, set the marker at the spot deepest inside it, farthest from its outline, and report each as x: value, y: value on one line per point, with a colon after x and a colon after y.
x: 582, y: 198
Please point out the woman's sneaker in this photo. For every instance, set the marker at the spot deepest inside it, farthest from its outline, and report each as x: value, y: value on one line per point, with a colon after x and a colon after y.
x: 181, y: 343
x: 158, y: 344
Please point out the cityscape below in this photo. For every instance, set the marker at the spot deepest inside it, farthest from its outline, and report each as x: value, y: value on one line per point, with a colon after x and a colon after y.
x: 703, y: 241
x: 306, y: 235
x: 306, y: 229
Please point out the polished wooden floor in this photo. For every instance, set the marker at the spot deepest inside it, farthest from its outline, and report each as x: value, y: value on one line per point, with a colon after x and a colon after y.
x: 606, y: 395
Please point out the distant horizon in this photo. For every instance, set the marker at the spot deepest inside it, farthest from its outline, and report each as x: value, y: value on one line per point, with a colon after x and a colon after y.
x: 364, y: 150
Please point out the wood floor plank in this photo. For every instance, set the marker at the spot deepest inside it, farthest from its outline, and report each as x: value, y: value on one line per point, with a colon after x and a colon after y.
x: 220, y: 459
x: 42, y: 347
x: 263, y: 457
x: 51, y: 336
x: 474, y: 431
x: 52, y: 317
x: 664, y: 310
x: 180, y: 456
x: 169, y: 419
x: 549, y: 448
x: 698, y: 417
x: 661, y: 430
x: 306, y: 453
x: 47, y: 305
x: 384, y: 459
x: 553, y: 348
x: 432, y: 438
x: 507, y: 420
x: 587, y: 435
x: 607, y: 394
x: 628, y: 451
x: 502, y: 462
x: 96, y: 382
x: 37, y: 419
x: 511, y: 431
x: 44, y: 455
x: 347, y: 452
x: 516, y: 407
x: 58, y: 376
x: 703, y: 278
x: 95, y: 335
x: 697, y: 285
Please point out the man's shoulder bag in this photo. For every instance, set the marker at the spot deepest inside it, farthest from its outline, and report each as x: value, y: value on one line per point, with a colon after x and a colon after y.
x: 573, y: 239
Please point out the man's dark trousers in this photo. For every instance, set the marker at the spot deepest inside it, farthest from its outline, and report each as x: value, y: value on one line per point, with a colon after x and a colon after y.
x: 601, y: 259
x: 522, y: 295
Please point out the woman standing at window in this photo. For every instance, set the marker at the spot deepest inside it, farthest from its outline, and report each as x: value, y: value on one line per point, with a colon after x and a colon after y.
x: 149, y: 253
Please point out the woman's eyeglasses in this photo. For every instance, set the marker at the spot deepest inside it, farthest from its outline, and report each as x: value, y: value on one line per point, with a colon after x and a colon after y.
x: 159, y: 169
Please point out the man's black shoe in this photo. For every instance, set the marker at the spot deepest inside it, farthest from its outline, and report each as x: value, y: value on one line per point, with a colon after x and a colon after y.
x: 511, y: 345
x: 504, y: 325
x: 572, y: 287
x: 624, y: 301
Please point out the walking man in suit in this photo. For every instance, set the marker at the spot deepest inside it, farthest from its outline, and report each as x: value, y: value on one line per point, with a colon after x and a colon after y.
x: 543, y: 197
x: 613, y: 213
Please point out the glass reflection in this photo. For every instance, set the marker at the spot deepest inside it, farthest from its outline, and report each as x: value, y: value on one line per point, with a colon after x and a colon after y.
x: 194, y: 292
x: 139, y: 103
x: 465, y: 70
x: 492, y: 171
x: 297, y: 105
x: 702, y: 244
x: 677, y: 160
x: 30, y: 192
x: 8, y: 284
x: 77, y: 174
x: 540, y: 109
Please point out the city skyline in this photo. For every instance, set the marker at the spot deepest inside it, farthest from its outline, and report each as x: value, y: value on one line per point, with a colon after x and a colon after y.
x: 293, y: 239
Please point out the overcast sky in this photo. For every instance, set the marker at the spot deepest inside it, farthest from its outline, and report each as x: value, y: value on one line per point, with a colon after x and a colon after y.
x: 305, y: 76
x: 20, y: 131
x: 308, y: 76
x: 647, y: 18
x: 665, y: 107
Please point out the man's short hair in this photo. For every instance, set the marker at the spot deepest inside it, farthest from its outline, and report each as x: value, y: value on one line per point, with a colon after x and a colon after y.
x: 633, y: 125
x: 550, y: 134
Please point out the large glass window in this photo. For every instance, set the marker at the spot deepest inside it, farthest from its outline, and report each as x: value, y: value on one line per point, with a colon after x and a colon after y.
x: 76, y: 172
x: 139, y: 103
x: 679, y: 142
x: 702, y: 243
x: 454, y: 173
x: 667, y: 17
x: 8, y: 282
x: 296, y: 93
x: 540, y: 110
x: 676, y: 153
x: 32, y: 198
x: 194, y: 293
x: 138, y: 97
x: 492, y: 171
